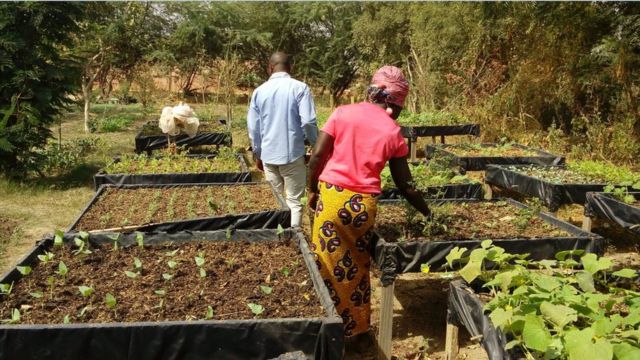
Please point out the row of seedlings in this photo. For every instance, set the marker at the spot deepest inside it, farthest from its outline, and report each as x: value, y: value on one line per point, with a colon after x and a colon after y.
x: 246, y: 294
x: 575, y: 306
x: 405, y: 242
x: 210, y: 132
x: 434, y: 125
x: 226, y: 166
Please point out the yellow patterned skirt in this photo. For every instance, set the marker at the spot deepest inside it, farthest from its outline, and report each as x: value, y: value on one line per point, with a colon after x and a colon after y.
x: 340, y: 242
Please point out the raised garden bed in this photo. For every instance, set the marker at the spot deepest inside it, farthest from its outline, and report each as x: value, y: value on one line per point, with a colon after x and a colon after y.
x: 433, y: 182
x: 436, y: 124
x: 554, y: 185
x: 476, y: 157
x: 151, y: 137
x: 573, y: 308
x: 224, y: 167
x: 608, y: 207
x: 403, y: 242
x: 249, y: 294
x: 179, y: 207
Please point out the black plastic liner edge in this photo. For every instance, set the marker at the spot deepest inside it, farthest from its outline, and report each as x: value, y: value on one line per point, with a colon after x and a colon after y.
x: 450, y: 191
x: 318, y: 338
x: 244, y: 175
x: 552, y: 195
x: 605, y: 206
x: 479, y: 163
x: 154, y: 142
x: 412, y: 132
x: 259, y: 220
x: 465, y: 309
x: 402, y: 257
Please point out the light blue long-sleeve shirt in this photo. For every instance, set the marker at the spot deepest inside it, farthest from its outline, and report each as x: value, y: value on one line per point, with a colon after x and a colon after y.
x: 281, y: 116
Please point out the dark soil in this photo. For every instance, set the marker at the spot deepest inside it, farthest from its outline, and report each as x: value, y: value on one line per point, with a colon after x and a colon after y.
x: 558, y: 175
x: 205, y: 127
x: 128, y: 207
x: 234, y: 273
x: 467, y: 220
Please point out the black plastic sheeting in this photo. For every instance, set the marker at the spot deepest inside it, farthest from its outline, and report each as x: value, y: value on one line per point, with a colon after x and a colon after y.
x: 479, y: 163
x: 465, y: 309
x: 413, y: 132
x: 316, y: 338
x: 552, y: 195
x: 605, y: 206
x: 402, y: 257
x: 259, y: 220
x: 244, y: 175
x: 451, y: 191
x: 154, y: 142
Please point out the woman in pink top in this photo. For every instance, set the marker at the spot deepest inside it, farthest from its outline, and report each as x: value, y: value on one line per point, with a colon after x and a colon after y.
x: 344, y: 182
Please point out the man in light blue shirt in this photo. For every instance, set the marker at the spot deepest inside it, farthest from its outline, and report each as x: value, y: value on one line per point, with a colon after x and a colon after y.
x: 281, y: 116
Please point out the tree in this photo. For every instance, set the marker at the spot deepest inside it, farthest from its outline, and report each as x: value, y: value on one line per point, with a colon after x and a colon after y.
x: 37, y: 75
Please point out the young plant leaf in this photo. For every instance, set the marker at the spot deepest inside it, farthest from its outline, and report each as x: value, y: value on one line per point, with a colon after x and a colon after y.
x: 171, y: 253
x: 58, y: 238
x: 62, y: 269
x: 86, y: 291
x: 140, y: 239
x: 137, y: 263
x: 285, y: 271
x: 131, y: 274
x: 425, y: 268
x: 535, y: 334
x: 203, y: 273
x: 255, y: 308
x: 210, y: 313
x: 167, y: 276
x: 110, y: 301
x: 160, y: 292
x: 66, y: 319
x: 24, y: 270
x: 6, y: 288
x: 625, y: 273
x: 15, y: 316
x: 266, y: 289
x: 36, y: 294
x: 172, y: 264
x: 279, y: 230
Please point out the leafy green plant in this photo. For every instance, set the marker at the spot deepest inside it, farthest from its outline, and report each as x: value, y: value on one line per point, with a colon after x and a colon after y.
x: 62, y: 269
x: 85, y: 291
x: 24, y: 270
x: 438, y: 172
x: 140, y: 239
x: 46, y: 257
x: 110, y: 301
x: 557, y: 311
x: 58, y: 238
x: 613, y: 174
x: 267, y: 290
x: 5, y: 289
x: 82, y: 244
x: 622, y: 193
x: 226, y: 160
x: 256, y: 309
x: 210, y: 313
x: 15, y: 317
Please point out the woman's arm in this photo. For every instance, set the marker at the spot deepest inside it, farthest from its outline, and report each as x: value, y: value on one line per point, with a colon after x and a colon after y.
x: 319, y: 156
x: 403, y: 180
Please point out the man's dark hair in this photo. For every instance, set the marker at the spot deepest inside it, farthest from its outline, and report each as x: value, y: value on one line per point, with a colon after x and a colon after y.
x: 280, y: 59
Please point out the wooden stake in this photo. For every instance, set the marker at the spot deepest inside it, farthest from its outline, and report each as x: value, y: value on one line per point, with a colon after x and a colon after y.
x: 442, y: 139
x: 451, y: 346
x: 587, y: 223
x: 433, y: 139
x: 386, y: 322
x: 413, y: 147
x: 488, y: 192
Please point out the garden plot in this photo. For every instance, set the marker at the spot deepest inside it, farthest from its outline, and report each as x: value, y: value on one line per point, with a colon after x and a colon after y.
x: 434, y: 181
x: 246, y: 294
x: 224, y: 167
x: 151, y: 137
x: 436, y: 124
x: 620, y: 209
x: 406, y: 240
x: 476, y: 157
x: 569, y: 309
x: 555, y: 186
x: 181, y: 207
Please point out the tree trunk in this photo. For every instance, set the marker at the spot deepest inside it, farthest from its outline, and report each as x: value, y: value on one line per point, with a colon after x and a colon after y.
x: 86, y: 93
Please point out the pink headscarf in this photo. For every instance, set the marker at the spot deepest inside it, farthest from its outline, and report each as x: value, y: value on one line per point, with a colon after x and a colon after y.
x: 391, y: 79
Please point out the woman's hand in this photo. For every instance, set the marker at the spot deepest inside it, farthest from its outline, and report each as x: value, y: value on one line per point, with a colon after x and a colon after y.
x: 312, y: 200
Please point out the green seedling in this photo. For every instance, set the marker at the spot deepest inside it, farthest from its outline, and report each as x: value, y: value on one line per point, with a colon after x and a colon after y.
x: 210, y: 313
x: 110, y: 301
x: 279, y: 230
x: 171, y: 253
x: 116, y: 241
x: 161, y: 292
x: 36, y: 294
x: 200, y: 259
x: 5, y: 289
x: 256, y: 309
x: 62, y: 269
x: 203, y: 273
x: 228, y: 234
x: 140, y: 239
x: 24, y: 270
x: 83, y: 311
x: 266, y: 289
x: 131, y: 274
x: 172, y: 264
x: 167, y: 276
x: 66, y: 319
x: 285, y: 271
x: 58, y: 238
x: 15, y: 317
x: 86, y: 291
x: 46, y: 257
x: 212, y: 205
x: 82, y: 247
x: 51, y: 281
x: 137, y: 263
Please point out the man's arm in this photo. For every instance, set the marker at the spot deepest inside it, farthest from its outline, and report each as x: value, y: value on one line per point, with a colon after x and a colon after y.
x: 308, y: 116
x: 253, y: 128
